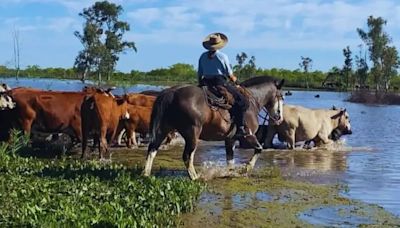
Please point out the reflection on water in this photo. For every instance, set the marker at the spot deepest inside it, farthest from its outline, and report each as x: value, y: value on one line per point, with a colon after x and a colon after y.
x: 368, y: 161
x: 338, y: 216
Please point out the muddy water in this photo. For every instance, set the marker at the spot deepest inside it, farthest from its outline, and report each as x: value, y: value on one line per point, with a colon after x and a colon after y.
x: 355, y: 182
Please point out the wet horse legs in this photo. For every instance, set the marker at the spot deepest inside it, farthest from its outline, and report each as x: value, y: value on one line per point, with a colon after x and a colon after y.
x: 191, y: 136
x: 253, y: 160
x: 229, y: 148
x: 152, y: 151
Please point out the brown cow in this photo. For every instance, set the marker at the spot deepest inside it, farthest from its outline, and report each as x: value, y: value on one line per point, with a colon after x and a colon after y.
x: 141, y: 99
x: 47, y: 111
x: 137, y: 100
x: 102, y: 113
x: 139, y: 121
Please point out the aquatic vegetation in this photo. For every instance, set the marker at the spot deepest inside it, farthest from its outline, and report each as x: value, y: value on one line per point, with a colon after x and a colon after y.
x: 265, y: 199
x: 50, y: 193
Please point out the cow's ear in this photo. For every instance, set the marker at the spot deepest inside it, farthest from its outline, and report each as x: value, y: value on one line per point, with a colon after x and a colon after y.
x: 337, y: 115
x: 279, y: 84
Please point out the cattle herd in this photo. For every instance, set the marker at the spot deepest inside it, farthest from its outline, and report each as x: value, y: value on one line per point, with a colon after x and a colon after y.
x: 92, y: 113
x: 98, y: 114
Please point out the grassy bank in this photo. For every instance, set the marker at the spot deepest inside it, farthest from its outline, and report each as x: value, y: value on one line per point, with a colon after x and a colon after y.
x: 54, y: 193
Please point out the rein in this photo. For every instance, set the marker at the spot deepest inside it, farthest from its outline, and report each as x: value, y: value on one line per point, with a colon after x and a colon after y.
x: 264, y: 118
x: 257, y: 105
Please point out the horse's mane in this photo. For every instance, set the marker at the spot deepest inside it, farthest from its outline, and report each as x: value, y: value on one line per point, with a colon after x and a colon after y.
x: 254, y: 81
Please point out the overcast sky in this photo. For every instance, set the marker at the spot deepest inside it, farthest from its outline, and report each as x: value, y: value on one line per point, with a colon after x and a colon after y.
x: 276, y: 32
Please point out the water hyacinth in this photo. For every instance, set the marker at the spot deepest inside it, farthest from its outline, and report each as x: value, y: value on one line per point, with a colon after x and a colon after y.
x: 62, y: 192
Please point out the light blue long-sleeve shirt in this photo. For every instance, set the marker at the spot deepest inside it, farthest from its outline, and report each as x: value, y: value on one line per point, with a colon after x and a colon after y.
x: 213, y: 67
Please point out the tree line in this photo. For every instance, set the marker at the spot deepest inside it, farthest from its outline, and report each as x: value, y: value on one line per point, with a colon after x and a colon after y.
x: 102, y: 37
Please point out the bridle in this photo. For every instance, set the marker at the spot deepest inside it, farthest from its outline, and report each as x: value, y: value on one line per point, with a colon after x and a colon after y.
x: 260, y: 107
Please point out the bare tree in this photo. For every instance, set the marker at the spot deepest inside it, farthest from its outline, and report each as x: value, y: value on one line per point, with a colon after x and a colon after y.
x: 16, y: 46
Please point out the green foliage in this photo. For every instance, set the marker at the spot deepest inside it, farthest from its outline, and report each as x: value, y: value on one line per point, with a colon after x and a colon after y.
x: 348, y: 67
x: 245, y: 70
x: 361, y: 73
x: 70, y: 193
x: 102, y: 39
x: 384, y: 57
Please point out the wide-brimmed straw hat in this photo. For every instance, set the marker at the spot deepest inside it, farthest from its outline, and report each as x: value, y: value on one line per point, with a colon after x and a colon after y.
x: 215, y: 41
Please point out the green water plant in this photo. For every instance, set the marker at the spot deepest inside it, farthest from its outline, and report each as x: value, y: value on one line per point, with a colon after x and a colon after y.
x: 72, y: 193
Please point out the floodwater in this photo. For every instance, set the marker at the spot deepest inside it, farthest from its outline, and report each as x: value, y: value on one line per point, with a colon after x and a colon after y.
x: 367, y: 162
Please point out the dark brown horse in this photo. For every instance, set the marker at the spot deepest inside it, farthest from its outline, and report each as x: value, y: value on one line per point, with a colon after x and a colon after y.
x: 185, y: 109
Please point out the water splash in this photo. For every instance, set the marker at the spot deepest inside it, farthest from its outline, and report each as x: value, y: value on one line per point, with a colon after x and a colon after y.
x: 210, y: 170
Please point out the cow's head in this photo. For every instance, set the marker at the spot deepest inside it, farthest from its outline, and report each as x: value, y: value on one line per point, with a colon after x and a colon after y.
x: 93, y: 89
x: 122, y: 102
x: 343, y: 123
x: 6, y: 102
x: 4, y: 87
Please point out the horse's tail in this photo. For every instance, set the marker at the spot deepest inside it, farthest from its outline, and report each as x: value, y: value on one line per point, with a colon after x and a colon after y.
x: 159, y: 108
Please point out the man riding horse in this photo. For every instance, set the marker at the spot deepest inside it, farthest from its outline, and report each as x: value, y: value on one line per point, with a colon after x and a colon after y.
x: 185, y: 109
x: 215, y: 70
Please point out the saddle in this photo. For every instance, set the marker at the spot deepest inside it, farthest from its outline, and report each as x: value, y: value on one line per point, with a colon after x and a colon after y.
x: 220, y: 97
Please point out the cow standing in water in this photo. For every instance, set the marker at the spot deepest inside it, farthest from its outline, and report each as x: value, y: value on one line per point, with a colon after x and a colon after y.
x: 303, y: 124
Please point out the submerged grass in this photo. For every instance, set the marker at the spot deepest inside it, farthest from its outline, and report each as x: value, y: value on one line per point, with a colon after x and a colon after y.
x: 54, y: 193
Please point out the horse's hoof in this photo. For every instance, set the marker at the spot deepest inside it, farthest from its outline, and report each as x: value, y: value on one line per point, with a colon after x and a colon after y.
x: 249, y: 168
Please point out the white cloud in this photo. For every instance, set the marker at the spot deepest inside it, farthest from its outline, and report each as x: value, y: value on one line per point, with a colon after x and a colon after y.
x: 57, y: 24
x: 145, y: 16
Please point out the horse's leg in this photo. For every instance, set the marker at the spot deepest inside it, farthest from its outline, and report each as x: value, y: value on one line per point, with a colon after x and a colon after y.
x: 152, y: 151
x: 229, y: 148
x: 269, y: 136
x: 253, y: 160
x: 191, y: 136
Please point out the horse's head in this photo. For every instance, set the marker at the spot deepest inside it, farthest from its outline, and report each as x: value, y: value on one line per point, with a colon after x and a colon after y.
x: 267, y: 92
x: 274, y: 104
x: 343, y: 121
